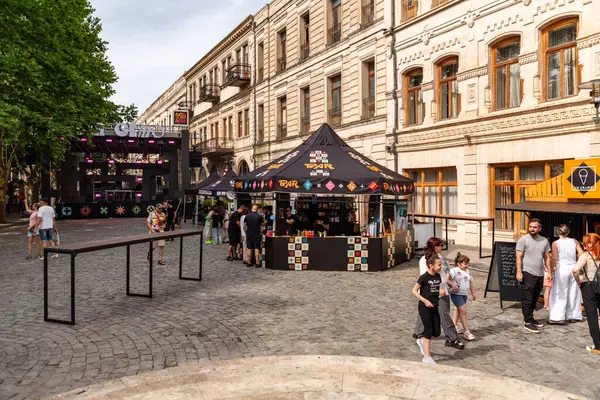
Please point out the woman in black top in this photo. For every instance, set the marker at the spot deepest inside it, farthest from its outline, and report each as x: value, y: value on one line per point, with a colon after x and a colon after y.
x: 427, y: 290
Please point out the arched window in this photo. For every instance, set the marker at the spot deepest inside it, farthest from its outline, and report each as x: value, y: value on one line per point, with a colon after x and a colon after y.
x: 414, y: 106
x: 506, y: 75
x: 448, y: 98
x: 559, y: 42
x: 243, y: 168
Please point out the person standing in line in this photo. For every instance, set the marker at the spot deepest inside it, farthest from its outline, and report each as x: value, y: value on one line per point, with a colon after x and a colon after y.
x: 226, y: 217
x: 586, y: 273
x: 464, y: 280
x: 253, y: 224
x: 156, y: 222
x: 234, y: 233
x: 565, y: 296
x: 216, y: 221
x: 46, y: 224
x: 533, y: 250
x: 428, y: 290
x: 243, y: 238
x: 33, y: 234
x: 433, y: 248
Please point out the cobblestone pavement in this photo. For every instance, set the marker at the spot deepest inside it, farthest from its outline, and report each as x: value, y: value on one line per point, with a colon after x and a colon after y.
x: 240, y: 312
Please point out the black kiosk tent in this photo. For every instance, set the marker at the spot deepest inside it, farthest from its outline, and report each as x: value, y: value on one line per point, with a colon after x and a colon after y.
x: 214, y: 185
x: 324, y: 179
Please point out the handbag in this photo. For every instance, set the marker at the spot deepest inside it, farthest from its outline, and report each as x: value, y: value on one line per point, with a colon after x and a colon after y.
x: 596, y: 282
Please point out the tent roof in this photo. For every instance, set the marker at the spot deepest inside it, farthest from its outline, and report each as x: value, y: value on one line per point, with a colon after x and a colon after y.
x: 215, y: 185
x: 324, y: 163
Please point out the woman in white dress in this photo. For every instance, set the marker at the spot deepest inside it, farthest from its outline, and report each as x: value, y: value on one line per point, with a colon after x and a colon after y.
x: 565, y: 296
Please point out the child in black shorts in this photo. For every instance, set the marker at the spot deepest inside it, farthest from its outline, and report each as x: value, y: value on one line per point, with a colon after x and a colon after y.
x: 427, y: 290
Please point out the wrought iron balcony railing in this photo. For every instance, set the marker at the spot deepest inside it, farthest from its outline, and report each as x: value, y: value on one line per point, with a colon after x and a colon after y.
x: 304, y: 124
x: 335, y: 116
x: 304, y: 51
x: 368, y: 107
x: 281, y: 63
x: 238, y: 75
x: 209, y: 93
x: 335, y: 33
x: 281, y: 131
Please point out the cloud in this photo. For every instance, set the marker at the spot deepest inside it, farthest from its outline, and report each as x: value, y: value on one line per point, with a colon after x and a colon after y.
x: 152, y: 42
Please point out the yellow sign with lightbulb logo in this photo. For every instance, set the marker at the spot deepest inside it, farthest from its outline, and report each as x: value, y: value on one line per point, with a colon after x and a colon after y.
x: 581, y: 179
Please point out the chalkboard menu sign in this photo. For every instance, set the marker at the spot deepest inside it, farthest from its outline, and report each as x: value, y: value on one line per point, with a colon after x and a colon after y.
x: 503, y: 270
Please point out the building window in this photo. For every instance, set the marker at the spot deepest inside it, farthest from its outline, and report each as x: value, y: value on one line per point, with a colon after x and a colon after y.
x: 414, y: 107
x: 436, y: 190
x: 305, y: 110
x: 282, y: 117
x: 335, y: 30
x: 243, y: 168
x: 217, y: 131
x: 368, y: 101
x: 281, y: 61
x: 260, y: 55
x: 246, y: 122
x: 224, y: 71
x: 225, y: 126
x: 246, y: 54
x: 304, y: 37
x: 410, y: 9
x: 240, y: 124
x: 261, y: 122
x: 560, y: 59
x: 335, y: 100
x: 447, y: 89
x: 508, y: 184
x: 507, y: 74
x: 437, y: 3
x: 230, y: 129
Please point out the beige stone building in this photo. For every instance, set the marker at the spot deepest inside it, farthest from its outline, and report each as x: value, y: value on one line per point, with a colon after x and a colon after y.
x: 161, y: 110
x: 488, y: 102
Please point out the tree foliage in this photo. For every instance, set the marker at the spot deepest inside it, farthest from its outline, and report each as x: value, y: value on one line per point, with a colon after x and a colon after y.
x: 55, y: 78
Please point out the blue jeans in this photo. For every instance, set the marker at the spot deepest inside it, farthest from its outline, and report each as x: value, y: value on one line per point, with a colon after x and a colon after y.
x: 216, y: 235
x: 46, y: 235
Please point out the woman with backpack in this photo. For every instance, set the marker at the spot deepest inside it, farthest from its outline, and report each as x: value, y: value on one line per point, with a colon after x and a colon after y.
x: 586, y: 274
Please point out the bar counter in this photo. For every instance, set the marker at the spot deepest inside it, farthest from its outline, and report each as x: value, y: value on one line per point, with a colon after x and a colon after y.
x: 337, y: 253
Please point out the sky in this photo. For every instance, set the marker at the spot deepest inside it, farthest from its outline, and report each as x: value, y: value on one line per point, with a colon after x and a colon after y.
x: 151, y: 43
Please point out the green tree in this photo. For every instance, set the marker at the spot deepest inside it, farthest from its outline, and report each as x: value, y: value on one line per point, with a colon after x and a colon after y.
x: 55, y: 79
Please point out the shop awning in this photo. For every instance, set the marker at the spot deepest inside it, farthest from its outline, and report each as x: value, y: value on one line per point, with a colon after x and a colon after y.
x: 324, y: 163
x: 215, y: 185
x: 553, y: 207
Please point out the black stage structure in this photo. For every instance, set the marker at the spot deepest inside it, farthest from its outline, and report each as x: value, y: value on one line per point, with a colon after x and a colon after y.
x: 124, y: 170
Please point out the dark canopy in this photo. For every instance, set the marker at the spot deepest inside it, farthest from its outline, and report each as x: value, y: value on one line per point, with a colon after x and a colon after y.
x: 324, y: 163
x: 215, y: 185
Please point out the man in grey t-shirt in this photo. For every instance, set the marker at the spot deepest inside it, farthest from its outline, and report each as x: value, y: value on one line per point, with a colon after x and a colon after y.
x: 533, y: 251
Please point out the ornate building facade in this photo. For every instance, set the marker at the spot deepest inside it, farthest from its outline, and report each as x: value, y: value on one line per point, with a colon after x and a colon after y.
x: 487, y: 101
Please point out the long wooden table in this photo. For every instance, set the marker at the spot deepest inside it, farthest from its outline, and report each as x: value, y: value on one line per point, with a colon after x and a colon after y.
x: 86, y: 247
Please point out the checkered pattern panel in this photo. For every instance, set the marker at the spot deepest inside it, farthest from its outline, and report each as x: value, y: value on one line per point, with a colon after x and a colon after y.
x: 262, y: 249
x: 391, y: 250
x: 298, y: 253
x: 319, y: 172
x: 409, y: 249
x: 319, y: 156
x: 358, y: 254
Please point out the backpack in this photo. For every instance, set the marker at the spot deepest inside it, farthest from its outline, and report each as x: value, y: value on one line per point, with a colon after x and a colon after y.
x: 596, y: 281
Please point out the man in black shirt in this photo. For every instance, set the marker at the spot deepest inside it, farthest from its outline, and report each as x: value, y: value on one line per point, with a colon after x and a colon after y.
x: 235, y: 233
x: 253, y: 223
x: 322, y: 224
x: 170, y: 212
x: 291, y: 222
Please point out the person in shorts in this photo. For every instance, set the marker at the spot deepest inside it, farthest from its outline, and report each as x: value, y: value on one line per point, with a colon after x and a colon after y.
x: 33, y: 234
x: 253, y: 224
x: 156, y: 222
x: 46, y: 224
x: 459, y: 294
x: 235, y: 233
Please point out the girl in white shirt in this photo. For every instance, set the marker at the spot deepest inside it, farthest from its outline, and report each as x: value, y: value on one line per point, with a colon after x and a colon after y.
x: 459, y: 293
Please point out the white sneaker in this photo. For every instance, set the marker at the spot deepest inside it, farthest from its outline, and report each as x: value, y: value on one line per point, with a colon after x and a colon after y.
x: 54, y: 255
x: 421, y: 347
x: 428, y: 360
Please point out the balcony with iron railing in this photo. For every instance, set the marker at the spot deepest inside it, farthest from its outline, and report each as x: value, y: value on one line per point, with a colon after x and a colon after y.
x: 368, y: 15
x: 410, y: 9
x: 304, y: 125
x: 215, y: 147
x: 281, y: 131
x: 304, y: 51
x: 281, y: 63
x: 368, y: 110
x: 238, y: 75
x: 209, y: 93
x: 335, y: 116
x: 334, y: 34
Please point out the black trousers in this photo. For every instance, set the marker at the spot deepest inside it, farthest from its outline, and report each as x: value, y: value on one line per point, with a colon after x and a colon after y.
x: 591, y: 302
x: 531, y: 287
x: 431, y: 321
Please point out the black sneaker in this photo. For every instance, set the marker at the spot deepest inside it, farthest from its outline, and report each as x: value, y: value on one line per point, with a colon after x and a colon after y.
x: 538, y: 324
x: 531, y: 328
x: 29, y: 257
x: 457, y: 344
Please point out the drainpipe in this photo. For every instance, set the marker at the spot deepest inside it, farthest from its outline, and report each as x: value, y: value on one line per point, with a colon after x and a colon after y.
x: 390, y: 32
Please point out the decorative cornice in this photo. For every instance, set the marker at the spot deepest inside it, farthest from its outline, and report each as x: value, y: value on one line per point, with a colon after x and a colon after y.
x: 472, y: 73
x: 528, y: 58
x: 589, y: 41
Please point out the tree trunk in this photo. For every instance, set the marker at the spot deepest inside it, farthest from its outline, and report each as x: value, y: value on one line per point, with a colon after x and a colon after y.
x: 3, y: 191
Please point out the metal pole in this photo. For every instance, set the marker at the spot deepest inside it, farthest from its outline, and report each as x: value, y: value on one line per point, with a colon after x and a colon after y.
x: 196, y: 217
x: 180, y: 257
x: 184, y: 203
x: 127, y: 280
x: 45, y: 285
x: 381, y: 228
x: 73, y: 288
x: 150, y: 271
x: 201, y: 244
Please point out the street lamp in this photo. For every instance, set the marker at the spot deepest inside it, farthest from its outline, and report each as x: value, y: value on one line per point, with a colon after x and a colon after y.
x: 594, y: 86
